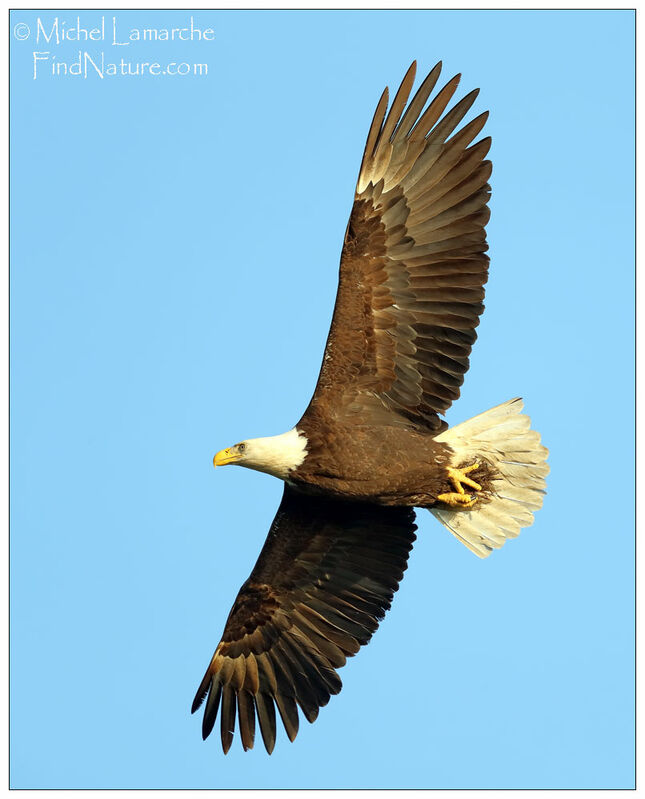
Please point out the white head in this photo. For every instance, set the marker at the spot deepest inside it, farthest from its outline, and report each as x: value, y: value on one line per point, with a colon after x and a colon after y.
x: 276, y: 455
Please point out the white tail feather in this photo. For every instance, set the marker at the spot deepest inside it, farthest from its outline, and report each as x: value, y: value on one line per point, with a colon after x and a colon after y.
x: 503, y: 438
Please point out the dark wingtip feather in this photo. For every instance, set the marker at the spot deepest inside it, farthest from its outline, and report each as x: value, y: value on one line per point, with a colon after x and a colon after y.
x: 197, y: 702
x: 266, y: 717
x: 210, y: 711
x: 227, y: 717
x: 201, y: 692
x: 289, y: 715
x: 246, y: 717
x: 412, y: 70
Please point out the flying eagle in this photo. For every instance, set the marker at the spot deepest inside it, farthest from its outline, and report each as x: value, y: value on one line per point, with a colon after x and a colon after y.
x: 372, y: 445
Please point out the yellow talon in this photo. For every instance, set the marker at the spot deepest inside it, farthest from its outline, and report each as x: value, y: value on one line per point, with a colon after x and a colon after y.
x: 457, y: 500
x: 458, y: 476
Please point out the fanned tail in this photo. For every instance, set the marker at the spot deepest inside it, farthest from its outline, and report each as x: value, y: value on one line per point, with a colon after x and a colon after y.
x: 502, y: 437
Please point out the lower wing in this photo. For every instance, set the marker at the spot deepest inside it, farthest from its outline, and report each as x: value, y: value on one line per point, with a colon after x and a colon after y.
x: 324, y: 579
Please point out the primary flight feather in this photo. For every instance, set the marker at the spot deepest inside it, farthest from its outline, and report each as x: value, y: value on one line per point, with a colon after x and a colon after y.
x: 372, y: 445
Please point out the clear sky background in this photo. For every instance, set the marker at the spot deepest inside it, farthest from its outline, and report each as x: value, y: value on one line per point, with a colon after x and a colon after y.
x: 175, y: 243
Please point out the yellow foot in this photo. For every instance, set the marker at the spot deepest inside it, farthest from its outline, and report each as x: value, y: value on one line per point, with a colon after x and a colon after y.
x: 457, y: 500
x: 458, y: 476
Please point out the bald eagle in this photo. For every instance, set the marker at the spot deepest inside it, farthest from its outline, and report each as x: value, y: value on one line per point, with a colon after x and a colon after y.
x: 372, y: 445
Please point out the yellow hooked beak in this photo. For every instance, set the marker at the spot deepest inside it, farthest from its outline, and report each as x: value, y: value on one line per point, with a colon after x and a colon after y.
x: 224, y: 456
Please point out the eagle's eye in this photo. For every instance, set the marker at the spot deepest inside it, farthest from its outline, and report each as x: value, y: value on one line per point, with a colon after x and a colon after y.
x: 241, y: 447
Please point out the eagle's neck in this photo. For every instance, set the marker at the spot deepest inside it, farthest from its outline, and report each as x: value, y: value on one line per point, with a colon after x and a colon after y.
x: 277, y: 455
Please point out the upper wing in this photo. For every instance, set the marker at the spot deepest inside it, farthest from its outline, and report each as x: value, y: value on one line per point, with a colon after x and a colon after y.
x: 413, y: 265
x: 325, y: 577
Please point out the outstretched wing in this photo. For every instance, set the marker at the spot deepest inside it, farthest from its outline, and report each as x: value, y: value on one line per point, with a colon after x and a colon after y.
x: 325, y: 577
x: 413, y: 265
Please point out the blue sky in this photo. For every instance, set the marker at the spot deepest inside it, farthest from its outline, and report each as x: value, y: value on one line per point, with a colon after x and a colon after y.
x: 175, y: 242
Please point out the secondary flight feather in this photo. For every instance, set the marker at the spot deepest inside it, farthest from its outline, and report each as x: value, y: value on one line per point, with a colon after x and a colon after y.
x: 372, y: 445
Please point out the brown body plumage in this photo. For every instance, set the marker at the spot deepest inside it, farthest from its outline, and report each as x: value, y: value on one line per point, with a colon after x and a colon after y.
x: 386, y: 465
x: 371, y: 446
